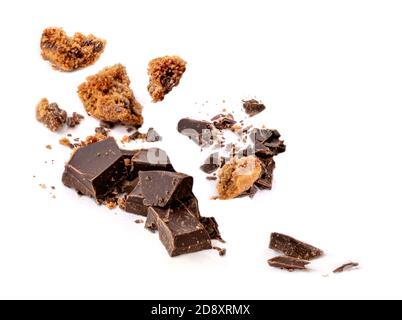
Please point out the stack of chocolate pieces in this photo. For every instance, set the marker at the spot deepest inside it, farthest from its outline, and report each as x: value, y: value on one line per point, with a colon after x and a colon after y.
x: 149, y: 186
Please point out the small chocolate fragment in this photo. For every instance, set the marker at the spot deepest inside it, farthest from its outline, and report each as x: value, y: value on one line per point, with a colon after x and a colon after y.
x: 346, y: 267
x: 160, y: 188
x: 265, y: 181
x: 74, y: 120
x: 198, y: 131
x: 267, y: 142
x: 221, y: 251
x: 288, y: 263
x: 135, y: 201
x: 212, y: 163
x: 212, y: 228
x: 223, y: 121
x: 95, y: 170
x: 293, y: 248
x: 179, y: 231
x: 253, y: 107
x: 153, y: 136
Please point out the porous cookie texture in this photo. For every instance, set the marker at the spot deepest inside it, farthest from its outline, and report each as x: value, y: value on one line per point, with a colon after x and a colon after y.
x: 164, y: 74
x: 70, y: 53
x: 107, y: 96
x: 50, y: 115
x: 237, y: 176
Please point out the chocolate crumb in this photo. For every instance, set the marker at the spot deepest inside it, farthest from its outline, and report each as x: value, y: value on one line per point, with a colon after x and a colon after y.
x: 253, y: 107
x: 221, y: 251
x: 139, y: 221
x: 74, y: 120
x: 49, y: 147
x: 288, y: 263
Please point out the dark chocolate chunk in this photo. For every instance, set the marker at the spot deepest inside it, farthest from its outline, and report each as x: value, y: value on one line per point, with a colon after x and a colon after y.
x: 153, y: 136
x: 94, y: 170
x: 265, y: 181
x: 253, y: 107
x: 267, y: 142
x: 179, y: 231
x: 288, y: 263
x: 161, y: 188
x: 213, y: 163
x: 346, y: 266
x: 191, y: 204
x: 293, y: 248
x: 135, y: 201
x: 212, y: 228
x: 198, y: 131
x: 147, y: 160
x: 223, y: 121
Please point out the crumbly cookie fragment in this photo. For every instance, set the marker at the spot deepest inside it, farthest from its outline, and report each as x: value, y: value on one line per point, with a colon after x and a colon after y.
x: 50, y: 115
x: 237, y: 176
x: 164, y: 74
x: 70, y: 53
x: 107, y: 96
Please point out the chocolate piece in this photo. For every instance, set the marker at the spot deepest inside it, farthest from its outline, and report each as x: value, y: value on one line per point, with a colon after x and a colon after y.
x: 164, y: 74
x: 50, y: 115
x: 179, y: 231
x: 212, y: 228
x: 265, y: 181
x: 221, y: 251
x: 212, y: 163
x: 74, y: 120
x: 288, y: 263
x: 107, y: 96
x: 147, y: 160
x: 95, y: 170
x: 223, y: 121
x: 135, y: 201
x: 191, y: 204
x: 153, y: 136
x: 198, y: 131
x: 293, y: 248
x: 160, y: 188
x: 267, y: 142
x: 253, y: 107
x: 346, y: 267
x: 70, y: 53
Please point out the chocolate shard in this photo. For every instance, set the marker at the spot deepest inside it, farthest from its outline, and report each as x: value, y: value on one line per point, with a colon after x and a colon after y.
x: 160, y: 188
x: 213, y: 163
x: 267, y: 142
x: 346, y: 267
x: 223, y: 121
x: 212, y: 228
x: 135, y: 201
x: 179, y: 231
x: 198, y: 131
x: 288, y: 263
x: 253, y: 107
x: 294, y: 248
x: 95, y: 170
x: 147, y: 160
x: 265, y: 181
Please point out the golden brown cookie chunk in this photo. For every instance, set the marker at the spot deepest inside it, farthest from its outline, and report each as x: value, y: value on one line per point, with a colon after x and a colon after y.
x: 107, y: 96
x: 70, y: 53
x: 237, y: 176
x: 50, y: 115
x: 164, y: 74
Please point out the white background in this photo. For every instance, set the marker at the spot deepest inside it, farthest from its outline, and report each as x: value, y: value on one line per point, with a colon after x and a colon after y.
x: 330, y: 73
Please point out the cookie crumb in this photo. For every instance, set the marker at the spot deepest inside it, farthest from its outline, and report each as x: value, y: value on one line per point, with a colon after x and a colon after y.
x: 50, y: 115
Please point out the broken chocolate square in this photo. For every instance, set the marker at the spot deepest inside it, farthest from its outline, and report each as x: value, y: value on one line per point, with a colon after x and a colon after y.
x: 198, y: 131
x: 135, y: 201
x: 267, y: 142
x: 161, y: 188
x: 253, y: 107
x: 288, y: 263
x: 179, y: 231
x: 265, y: 181
x: 293, y: 248
x: 95, y: 170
